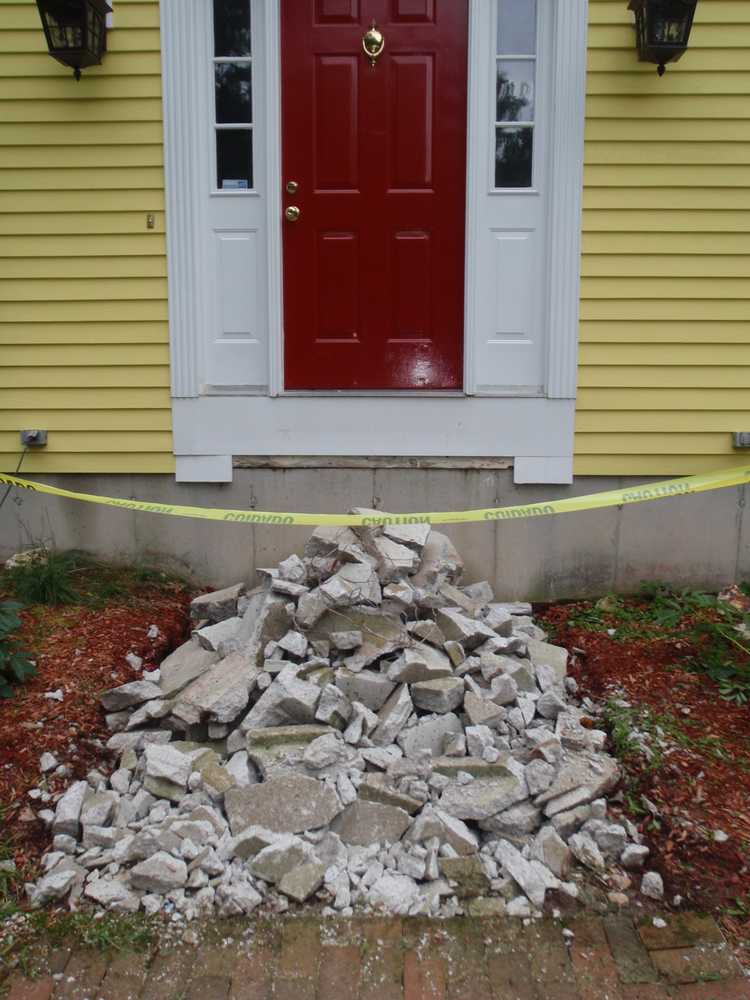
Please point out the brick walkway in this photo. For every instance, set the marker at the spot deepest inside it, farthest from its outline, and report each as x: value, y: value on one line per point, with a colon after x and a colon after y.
x: 608, y: 958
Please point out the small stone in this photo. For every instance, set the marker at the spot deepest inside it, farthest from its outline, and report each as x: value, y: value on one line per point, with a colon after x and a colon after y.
x: 166, y: 762
x: 68, y: 810
x: 552, y: 851
x: 469, y: 875
x: 367, y: 823
x: 441, y: 696
x: 482, y: 712
x: 586, y: 851
x: 288, y: 803
x: 300, y: 883
x: 294, y: 643
x: 129, y: 695
x: 159, y: 873
x: 281, y: 857
x: 47, y: 762
x: 652, y: 886
x: 634, y: 857
x: 346, y: 641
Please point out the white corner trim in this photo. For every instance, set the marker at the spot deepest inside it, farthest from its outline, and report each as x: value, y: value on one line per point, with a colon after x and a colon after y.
x: 557, y: 469
x: 203, y: 468
x: 566, y: 171
x: 182, y: 99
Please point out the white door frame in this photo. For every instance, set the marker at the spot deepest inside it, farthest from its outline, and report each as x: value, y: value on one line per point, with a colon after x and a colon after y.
x: 184, y: 97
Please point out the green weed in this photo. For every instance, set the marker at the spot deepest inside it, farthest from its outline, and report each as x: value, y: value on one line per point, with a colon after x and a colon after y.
x: 16, y: 664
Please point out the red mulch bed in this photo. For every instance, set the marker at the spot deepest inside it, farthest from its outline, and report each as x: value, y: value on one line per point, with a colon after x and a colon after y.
x: 693, y: 783
x: 82, y: 651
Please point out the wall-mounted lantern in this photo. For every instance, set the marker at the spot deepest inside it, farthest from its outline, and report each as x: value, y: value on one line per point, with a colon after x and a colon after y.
x: 662, y: 29
x: 76, y: 31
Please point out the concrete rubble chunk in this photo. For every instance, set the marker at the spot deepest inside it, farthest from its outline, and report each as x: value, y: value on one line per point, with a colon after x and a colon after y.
x: 160, y: 873
x: 369, y: 687
x: 68, y: 810
x: 634, y: 857
x: 518, y: 821
x: 289, y: 700
x: 413, y: 535
x: 354, y: 583
x: 652, y: 886
x: 130, y: 695
x: 428, y: 734
x: 393, y: 893
x: 166, y: 762
x: 98, y: 809
x: 334, y: 708
x: 440, y: 562
x: 586, y: 851
x: 377, y: 788
x: 272, y: 863
x: 188, y: 662
x: 550, y: 705
x: 484, y: 797
x: 468, y: 874
x: 456, y: 625
x: 345, y: 641
x: 371, y: 822
x: 392, y: 717
x: 441, y: 696
x: 552, y: 851
x: 304, y: 880
x: 482, y: 711
x: 420, y: 663
x: 426, y: 631
x: 222, y: 692
x: 266, y: 619
x: 220, y: 638
x: 394, y: 560
x: 293, y: 569
x: 549, y: 655
x: 218, y: 605
x: 289, y: 803
x: 294, y: 643
x: 525, y: 874
x: 56, y: 885
x: 325, y: 541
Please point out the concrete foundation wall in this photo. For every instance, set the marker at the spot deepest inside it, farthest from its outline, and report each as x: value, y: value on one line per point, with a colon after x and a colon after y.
x: 697, y: 541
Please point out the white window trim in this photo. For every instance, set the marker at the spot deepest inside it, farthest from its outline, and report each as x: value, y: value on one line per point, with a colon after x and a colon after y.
x: 182, y: 41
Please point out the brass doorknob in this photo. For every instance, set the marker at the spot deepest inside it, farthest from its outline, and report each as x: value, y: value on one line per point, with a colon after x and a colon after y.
x: 292, y: 213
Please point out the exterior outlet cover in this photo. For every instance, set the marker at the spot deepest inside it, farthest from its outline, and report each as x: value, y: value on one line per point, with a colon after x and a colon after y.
x: 741, y: 439
x: 34, y: 438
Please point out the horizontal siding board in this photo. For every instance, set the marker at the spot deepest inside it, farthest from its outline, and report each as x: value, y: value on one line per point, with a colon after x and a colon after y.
x: 136, y: 397
x: 83, y: 312
x: 89, y: 88
x: 90, y: 268
x: 643, y: 332
x: 700, y: 399
x: 720, y: 84
x: 703, y: 59
x: 121, y: 421
x: 664, y: 376
x: 83, y: 290
x: 39, y: 65
x: 654, y: 443
x: 146, y: 200
x: 39, y: 157
x: 83, y: 378
x: 709, y: 12
x: 145, y: 109
x: 23, y: 356
x: 629, y: 221
x: 668, y: 198
x: 667, y: 245
x: 661, y: 466
x: 705, y: 36
x: 667, y: 309
x: 675, y: 153
x: 657, y: 288
x: 95, y: 463
x: 88, y: 135
x: 643, y: 128
x: 89, y: 180
x: 663, y: 265
x: 79, y: 223
x: 69, y: 442
x: 21, y: 42
x: 720, y: 176
x: 686, y: 422
x: 147, y: 244
x: 676, y: 354
x: 84, y: 333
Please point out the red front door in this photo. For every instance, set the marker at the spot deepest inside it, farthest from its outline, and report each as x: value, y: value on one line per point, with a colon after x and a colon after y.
x: 374, y: 263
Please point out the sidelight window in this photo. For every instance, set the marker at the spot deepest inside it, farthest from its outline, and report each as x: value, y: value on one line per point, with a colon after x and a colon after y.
x: 515, y: 97
x: 233, y: 95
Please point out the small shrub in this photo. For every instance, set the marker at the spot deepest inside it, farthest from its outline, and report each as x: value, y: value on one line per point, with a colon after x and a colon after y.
x: 45, y: 579
x: 16, y: 665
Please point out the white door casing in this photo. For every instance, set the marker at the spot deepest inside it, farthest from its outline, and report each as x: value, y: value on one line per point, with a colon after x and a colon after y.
x: 224, y: 260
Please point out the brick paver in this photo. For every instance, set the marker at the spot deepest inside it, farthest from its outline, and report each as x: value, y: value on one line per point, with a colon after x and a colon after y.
x: 610, y: 958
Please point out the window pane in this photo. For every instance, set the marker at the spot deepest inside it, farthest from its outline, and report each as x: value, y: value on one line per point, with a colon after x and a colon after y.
x: 513, y: 157
x: 516, y: 27
x: 515, y: 91
x: 234, y: 93
x: 234, y: 157
x: 232, y: 27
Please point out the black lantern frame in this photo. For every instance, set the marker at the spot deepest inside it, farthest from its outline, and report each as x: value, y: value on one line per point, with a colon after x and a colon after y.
x: 662, y: 29
x: 76, y: 31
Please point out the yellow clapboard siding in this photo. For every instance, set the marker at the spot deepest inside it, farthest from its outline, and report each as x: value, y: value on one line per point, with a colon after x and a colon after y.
x: 20, y: 42
x: 84, y: 267
x: 648, y: 332
x: 84, y: 378
x: 83, y: 289
x: 18, y: 356
x: 716, y: 175
x: 661, y: 466
x: 663, y: 376
x: 705, y: 355
x: 732, y: 107
x: 149, y: 244
x: 92, y: 463
x: 67, y: 442
x: 686, y: 83
x: 143, y: 109
x: 656, y: 288
x: 664, y: 244
x: 685, y: 422
x: 630, y: 221
x: 136, y: 398
x: 83, y: 312
x: 706, y: 36
x: 75, y: 223
x: 708, y: 398
x: 84, y: 179
x: 666, y: 265
x: 146, y: 200
x: 625, y: 443
x: 128, y: 15
x: 667, y: 198
x: 88, y: 135
x: 89, y: 88
x: 122, y: 421
x: 713, y: 12
x: 675, y: 309
x: 676, y: 153
x: 84, y: 333
x: 35, y: 157
x: 639, y: 129
x: 702, y: 59
x: 40, y: 66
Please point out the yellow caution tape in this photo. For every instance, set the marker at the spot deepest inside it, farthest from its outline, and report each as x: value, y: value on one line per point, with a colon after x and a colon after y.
x: 611, y: 498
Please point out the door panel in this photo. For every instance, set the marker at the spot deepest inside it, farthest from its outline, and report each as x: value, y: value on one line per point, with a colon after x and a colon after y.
x: 374, y: 267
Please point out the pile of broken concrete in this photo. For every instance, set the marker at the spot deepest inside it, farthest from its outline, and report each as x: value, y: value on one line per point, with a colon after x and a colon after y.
x: 360, y: 731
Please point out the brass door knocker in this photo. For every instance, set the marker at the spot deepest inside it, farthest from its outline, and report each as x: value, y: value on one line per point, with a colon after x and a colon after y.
x: 373, y: 44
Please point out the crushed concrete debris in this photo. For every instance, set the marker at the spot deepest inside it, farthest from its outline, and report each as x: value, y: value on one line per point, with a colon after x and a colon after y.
x: 360, y: 731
